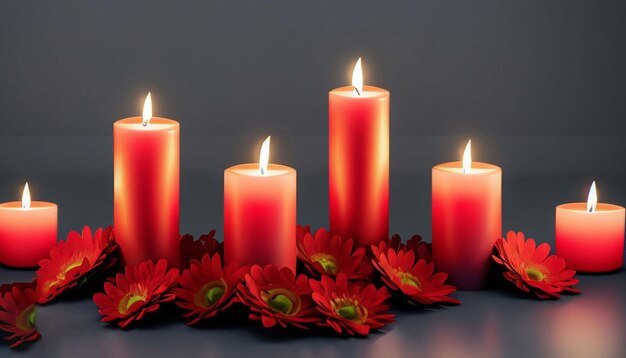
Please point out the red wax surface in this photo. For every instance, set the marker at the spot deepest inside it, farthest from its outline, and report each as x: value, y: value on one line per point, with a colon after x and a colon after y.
x: 27, y: 235
x: 590, y: 242
x: 466, y: 220
x: 146, y: 186
x: 359, y: 164
x: 260, y: 215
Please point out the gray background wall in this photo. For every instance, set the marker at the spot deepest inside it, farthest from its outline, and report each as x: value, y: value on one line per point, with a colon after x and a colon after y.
x: 539, y: 86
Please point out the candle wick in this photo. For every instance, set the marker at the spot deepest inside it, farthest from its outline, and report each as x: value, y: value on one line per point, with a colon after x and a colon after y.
x: 357, y: 90
x: 145, y: 124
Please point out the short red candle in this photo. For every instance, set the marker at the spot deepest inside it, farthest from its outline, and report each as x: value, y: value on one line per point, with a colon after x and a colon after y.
x: 260, y: 215
x: 359, y: 163
x: 590, y: 241
x: 27, y: 234
x: 146, y: 189
x: 466, y: 220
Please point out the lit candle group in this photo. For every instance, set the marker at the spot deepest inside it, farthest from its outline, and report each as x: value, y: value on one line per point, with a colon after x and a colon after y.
x: 260, y: 200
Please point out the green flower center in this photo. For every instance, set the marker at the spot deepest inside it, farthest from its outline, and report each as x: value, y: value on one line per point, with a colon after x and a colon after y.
x: 350, y: 309
x: 127, y: 301
x: 211, y: 293
x: 535, y: 274
x: 348, y: 312
x: 327, y: 261
x: 408, y: 279
x: 31, y: 317
x: 282, y: 301
x: 25, y: 320
x: 214, y: 294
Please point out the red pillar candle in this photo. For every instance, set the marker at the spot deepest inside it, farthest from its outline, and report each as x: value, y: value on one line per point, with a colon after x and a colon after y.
x: 146, y: 177
x: 466, y: 219
x: 359, y: 161
x: 28, y: 230
x: 260, y: 213
x: 590, y: 236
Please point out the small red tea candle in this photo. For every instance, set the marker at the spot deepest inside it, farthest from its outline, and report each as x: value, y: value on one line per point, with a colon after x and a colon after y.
x: 590, y: 236
x: 358, y: 124
x: 260, y: 213
x: 146, y: 187
x: 28, y: 230
x: 466, y: 219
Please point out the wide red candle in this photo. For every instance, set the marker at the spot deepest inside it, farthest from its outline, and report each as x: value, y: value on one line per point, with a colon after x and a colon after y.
x: 260, y: 215
x: 359, y: 161
x: 590, y: 236
x: 466, y: 220
x: 146, y: 185
x: 28, y: 230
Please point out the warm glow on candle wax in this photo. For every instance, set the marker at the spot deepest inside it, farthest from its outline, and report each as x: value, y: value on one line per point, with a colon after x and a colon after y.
x: 467, y: 157
x: 590, y: 236
x: 147, y: 110
x: 357, y: 77
x: 28, y: 230
x: 26, y: 197
x: 592, y: 198
x: 264, y: 156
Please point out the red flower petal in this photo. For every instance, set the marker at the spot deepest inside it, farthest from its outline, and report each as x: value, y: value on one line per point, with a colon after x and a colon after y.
x: 278, y: 297
x: 531, y: 269
x: 73, y: 260
x: 350, y: 308
x: 137, y: 292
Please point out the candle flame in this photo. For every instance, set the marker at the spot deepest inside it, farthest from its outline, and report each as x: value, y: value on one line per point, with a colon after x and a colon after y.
x: 264, y: 156
x: 26, y: 197
x: 147, y: 110
x: 592, y: 199
x: 467, y: 157
x: 357, y: 77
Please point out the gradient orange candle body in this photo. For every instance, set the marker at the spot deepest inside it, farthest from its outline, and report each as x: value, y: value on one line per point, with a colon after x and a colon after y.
x: 359, y: 163
x: 590, y: 241
x: 146, y: 198
x: 466, y: 220
x: 260, y: 215
x: 27, y: 234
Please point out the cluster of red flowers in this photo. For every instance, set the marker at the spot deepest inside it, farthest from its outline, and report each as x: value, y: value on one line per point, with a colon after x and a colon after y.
x: 339, y: 290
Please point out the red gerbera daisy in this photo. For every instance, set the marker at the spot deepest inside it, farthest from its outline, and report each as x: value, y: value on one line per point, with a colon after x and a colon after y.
x: 136, y: 293
x: 351, y: 308
x: 17, y: 313
x: 278, y: 297
x: 191, y: 249
x: 400, y: 272
x: 326, y: 255
x: 72, y: 261
x: 421, y: 249
x: 207, y: 289
x: 531, y: 269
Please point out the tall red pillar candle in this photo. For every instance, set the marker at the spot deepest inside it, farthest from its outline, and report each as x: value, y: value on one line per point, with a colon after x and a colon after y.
x: 28, y: 230
x: 466, y: 219
x: 590, y: 236
x: 146, y: 186
x: 260, y: 213
x: 359, y: 161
